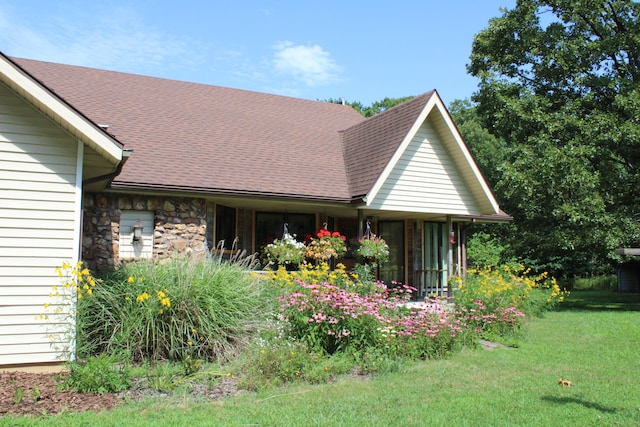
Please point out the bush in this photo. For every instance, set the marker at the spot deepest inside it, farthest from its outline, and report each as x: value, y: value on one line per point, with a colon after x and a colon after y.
x: 329, y: 319
x: 100, y: 374
x: 604, y: 282
x: 356, y: 318
x: 277, y: 362
x: 485, y: 250
x: 495, y: 301
x: 171, y: 310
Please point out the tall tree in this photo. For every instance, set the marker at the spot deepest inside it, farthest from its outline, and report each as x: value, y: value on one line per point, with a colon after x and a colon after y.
x: 560, y: 85
x: 374, y: 108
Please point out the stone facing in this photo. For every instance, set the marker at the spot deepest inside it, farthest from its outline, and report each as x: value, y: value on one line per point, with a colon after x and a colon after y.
x: 179, y: 226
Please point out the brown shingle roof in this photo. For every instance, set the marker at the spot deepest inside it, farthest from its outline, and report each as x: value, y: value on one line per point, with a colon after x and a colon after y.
x: 211, y: 139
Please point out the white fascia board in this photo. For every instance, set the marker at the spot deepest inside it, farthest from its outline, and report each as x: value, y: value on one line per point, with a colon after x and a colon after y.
x: 52, y: 106
x: 470, y: 164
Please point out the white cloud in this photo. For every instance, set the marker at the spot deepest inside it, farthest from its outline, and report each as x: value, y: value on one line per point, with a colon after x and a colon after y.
x: 309, y: 64
x: 118, y: 40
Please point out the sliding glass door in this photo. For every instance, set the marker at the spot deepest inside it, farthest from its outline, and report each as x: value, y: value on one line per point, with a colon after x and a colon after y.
x: 433, y: 280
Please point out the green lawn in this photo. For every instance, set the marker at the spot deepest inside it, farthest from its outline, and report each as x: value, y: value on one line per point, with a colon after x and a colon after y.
x: 593, y: 340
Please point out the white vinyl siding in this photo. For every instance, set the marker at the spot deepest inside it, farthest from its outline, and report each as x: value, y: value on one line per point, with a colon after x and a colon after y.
x: 142, y: 248
x: 38, y: 226
x: 426, y: 180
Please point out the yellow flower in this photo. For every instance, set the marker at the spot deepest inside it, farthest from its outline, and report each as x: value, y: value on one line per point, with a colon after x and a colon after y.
x: 142, y: 297
x: 130, y: 279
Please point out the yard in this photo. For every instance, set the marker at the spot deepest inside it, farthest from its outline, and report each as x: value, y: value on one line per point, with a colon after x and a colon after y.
x: 592, y: 340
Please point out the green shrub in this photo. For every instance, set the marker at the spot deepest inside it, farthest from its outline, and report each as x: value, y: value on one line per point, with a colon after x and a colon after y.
x: 495, y: 301
x: 172, y: 310
x: 484, y: 250
x: 605, y: 282
x: 100, y: 374
x: 274, y: 363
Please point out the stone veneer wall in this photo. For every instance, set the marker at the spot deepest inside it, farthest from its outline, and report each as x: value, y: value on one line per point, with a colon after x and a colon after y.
x: 179, y: 226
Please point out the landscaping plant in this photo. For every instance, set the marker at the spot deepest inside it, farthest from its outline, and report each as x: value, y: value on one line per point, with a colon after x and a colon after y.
x: 496, y: 301
x: 98, y: 374
x: 171, y: 310
x: 334, y: 316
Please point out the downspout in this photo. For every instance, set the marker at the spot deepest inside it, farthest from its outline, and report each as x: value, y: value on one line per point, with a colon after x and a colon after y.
x: 109, y: 176
x: 125, y: 156
x: 449, y: 256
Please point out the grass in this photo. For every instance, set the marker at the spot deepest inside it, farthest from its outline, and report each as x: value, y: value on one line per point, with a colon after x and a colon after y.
x: 592, y: 340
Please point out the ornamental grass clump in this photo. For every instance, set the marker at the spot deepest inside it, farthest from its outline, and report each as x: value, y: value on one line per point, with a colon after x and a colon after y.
x: 177, y: 309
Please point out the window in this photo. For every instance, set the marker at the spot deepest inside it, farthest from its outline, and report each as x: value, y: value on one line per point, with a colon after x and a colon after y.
x: 225, y: 228
x: 270, y: 226
x: 132, y: 246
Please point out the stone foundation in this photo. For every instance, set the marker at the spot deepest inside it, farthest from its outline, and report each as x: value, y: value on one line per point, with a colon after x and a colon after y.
x: 179, y: 226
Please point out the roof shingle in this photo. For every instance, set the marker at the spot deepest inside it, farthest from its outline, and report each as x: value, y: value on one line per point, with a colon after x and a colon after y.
x: 211, y: 139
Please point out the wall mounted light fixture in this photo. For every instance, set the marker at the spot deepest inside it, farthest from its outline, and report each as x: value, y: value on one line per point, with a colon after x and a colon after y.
x: 137, y: 231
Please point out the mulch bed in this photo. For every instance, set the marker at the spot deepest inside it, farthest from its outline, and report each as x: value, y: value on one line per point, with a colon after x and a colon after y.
x: 23, y: 393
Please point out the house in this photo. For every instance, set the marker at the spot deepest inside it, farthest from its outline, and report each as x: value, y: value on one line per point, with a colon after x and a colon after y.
x: 103, y: 166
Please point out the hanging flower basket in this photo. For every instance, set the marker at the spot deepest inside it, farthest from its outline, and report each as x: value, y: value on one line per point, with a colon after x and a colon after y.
x: 326, y: 245
x: 372, y: 247
x: 285, y: 251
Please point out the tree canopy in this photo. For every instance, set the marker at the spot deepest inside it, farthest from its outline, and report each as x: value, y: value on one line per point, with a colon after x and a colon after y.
x: 560, y: 93
x: 374, y: 108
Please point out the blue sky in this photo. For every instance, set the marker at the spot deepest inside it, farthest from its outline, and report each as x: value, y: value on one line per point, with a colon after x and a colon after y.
x: 356, y: 50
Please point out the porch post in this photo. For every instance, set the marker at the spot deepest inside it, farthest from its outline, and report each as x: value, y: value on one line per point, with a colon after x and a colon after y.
x: 449, y: 255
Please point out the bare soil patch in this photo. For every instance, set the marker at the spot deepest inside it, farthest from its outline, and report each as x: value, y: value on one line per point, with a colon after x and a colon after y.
x: 24, y: 393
